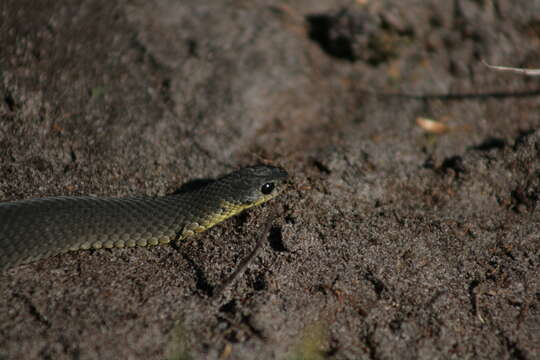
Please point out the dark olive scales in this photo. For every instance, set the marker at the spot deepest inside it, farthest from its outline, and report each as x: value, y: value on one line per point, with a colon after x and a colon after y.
x: 37, y: 228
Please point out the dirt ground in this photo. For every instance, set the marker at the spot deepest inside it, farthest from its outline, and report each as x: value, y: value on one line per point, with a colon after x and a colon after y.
x: 391, y: 241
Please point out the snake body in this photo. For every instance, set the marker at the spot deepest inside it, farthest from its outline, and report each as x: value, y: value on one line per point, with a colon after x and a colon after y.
x: 37, y: 228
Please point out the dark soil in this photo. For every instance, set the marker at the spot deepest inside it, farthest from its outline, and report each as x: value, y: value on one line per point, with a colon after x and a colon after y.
x: 392, y: 242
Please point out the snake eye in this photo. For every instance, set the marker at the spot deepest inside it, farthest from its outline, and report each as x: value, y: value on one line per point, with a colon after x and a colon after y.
x: 267, y: 188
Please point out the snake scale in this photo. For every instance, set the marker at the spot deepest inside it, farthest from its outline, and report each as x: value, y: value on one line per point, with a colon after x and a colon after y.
x: 37, y: 228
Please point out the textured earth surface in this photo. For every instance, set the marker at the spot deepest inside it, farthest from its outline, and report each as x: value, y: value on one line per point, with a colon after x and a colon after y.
x: 395, y: 239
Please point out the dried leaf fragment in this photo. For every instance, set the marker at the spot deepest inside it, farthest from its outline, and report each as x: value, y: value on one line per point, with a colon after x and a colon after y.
x: 432, y: 126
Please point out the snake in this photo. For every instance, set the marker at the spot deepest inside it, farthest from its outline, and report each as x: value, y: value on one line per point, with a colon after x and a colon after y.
x: 33, y: 229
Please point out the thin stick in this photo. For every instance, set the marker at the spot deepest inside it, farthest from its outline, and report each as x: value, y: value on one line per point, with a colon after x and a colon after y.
x: 528, y: 72
x: 243, y: 265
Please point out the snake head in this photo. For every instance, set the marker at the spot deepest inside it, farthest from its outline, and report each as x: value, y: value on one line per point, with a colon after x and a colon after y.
x: 254, y: 185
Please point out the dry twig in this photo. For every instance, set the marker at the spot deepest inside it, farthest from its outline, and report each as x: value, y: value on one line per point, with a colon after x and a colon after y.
x: 527, y: 72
